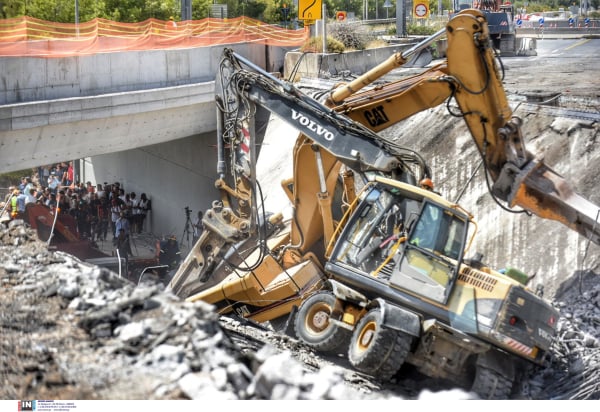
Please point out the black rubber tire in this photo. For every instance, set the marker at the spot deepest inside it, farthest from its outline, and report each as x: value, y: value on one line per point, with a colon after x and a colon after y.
x: 312, y: 324
x: 489, y: 384
x: 285, y: 324
x: 376, y: 350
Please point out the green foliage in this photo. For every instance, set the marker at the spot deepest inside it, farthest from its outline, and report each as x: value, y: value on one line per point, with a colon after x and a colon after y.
x: 132, y: 11
x: 420, y: 30
x: 272, y: 13
x: 269, y: 11
x: 200, y: 9
x: 63, y: 11
x: 417, y: 29
x: 315, y: 45
x: 11, y: 8
x: 446, y: 5
x: 266, y: 10
x: 254, y: 9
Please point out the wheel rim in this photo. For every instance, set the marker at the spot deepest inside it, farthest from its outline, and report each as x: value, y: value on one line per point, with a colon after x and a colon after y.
x: 318, y: 318
x: 365, y: 338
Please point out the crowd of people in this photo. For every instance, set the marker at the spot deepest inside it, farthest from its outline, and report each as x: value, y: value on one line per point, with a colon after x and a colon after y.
x: 99, y: 210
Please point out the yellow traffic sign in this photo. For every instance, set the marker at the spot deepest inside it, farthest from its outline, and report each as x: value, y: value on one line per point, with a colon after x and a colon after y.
x: 309, y: 9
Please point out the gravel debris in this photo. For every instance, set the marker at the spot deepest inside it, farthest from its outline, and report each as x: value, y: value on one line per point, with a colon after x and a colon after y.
x: 72, y: 330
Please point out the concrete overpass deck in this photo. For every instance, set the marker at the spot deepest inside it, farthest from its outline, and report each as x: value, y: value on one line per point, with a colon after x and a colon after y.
x: 45, y: 132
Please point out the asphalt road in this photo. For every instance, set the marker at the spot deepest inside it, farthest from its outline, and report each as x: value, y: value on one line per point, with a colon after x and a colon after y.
x: 567, y: 66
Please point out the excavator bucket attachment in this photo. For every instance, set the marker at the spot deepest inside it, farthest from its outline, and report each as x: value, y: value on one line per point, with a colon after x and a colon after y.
x: 526, y: 46
x: 540, y: 190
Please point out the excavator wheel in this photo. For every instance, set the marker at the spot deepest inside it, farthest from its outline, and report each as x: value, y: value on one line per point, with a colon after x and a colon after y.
x: 312, y: 324
x: 376, y: 350
x: 489, y: 384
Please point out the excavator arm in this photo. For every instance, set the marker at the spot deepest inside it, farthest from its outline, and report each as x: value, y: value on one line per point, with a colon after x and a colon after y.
x: 328, y: 141
x: 242, y: 240
x: 472, y: 77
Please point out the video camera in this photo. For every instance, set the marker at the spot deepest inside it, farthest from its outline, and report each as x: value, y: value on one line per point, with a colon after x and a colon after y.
x: 187, y: 211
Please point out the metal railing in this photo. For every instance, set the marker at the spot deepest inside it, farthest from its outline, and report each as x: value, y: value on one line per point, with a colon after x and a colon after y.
x: 148, y: 268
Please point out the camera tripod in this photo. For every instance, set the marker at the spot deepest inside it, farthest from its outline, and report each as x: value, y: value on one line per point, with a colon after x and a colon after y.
x: 187, y: 228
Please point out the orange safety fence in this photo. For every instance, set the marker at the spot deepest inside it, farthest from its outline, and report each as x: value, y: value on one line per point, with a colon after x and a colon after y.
x: 27, y: 36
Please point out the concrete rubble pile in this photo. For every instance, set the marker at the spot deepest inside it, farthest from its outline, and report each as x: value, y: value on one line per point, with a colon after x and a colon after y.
x: 575, y: 362
x: 75, y: 331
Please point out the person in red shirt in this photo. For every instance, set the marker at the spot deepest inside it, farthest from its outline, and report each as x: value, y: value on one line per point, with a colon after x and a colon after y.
x: 70, y: 174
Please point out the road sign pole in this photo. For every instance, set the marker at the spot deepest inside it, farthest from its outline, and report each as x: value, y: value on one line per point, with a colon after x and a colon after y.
x: 324, y: 19
x: 400, y: 19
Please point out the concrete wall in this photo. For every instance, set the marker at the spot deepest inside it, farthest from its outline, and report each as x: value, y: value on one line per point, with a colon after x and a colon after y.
x: 173, y: 175
x: 27, y: 79
x: 314, y: 64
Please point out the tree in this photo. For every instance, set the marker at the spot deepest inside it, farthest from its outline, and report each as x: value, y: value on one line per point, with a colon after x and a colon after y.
x: 11, y: 8
x: 200, y: 9
x: 63, y: 11
x: 131, y: 11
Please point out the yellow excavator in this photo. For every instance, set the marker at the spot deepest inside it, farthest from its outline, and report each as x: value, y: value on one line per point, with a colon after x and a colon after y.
x: 371, y: 264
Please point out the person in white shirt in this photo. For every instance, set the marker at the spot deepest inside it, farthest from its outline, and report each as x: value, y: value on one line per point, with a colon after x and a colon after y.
x: 29, y: 196
x: 115, y: 212
x: 53, y: 183
x: 143, y: 207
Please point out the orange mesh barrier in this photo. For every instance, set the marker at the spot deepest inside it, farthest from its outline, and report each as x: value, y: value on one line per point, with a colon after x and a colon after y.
x: 26, y: 36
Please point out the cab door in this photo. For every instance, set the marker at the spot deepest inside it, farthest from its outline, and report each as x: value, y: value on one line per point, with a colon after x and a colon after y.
x: 431, y: 256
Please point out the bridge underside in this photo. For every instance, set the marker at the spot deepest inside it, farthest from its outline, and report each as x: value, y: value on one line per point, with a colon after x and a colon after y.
x: 40, y: 133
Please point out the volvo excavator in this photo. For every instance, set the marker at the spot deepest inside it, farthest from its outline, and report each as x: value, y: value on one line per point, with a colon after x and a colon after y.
x: 371, y: 264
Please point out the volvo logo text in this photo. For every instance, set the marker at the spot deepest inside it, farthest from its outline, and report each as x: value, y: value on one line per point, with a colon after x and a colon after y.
x: 310, y: 125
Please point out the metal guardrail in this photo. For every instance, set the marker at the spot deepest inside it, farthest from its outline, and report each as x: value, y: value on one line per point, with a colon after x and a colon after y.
x: 565, y: 31
x: 150, y: 268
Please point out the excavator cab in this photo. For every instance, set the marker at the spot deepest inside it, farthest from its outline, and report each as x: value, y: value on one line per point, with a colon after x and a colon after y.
x: 405, y: 237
